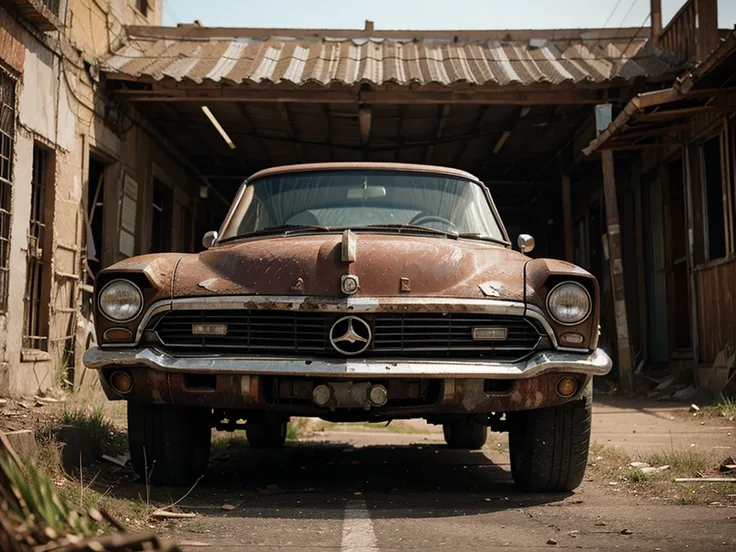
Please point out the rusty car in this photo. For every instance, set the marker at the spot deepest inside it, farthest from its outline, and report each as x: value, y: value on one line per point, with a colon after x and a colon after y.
x: 353, y: 292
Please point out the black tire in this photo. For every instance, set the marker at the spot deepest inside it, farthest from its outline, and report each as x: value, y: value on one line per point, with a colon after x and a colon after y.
x: 172, y: 443
x: 266, y: 434
x: 465, y: 435
x: 549, y: 446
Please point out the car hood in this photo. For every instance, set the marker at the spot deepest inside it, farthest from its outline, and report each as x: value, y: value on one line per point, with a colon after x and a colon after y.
x: 313, y: 265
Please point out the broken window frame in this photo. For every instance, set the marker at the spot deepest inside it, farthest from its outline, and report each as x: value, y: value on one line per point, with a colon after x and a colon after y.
x: 36, y: 298
x: 7, y: 143
x: 726, y: 198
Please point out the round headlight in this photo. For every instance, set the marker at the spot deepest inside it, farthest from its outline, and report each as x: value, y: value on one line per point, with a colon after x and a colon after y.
x: 120, y: 300
x: 569, y: 303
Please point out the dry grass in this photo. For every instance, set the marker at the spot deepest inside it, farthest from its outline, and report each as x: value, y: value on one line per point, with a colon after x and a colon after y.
x: 611, y: 465
x: 393, y: 427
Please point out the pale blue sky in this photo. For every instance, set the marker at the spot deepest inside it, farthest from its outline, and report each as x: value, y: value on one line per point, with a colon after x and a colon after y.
x: 426, y: 14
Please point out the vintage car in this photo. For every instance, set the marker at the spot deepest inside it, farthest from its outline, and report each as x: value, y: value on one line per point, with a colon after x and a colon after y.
x: 353, y: 292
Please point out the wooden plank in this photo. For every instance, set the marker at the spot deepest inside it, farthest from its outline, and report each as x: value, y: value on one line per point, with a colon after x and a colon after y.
x: 626, y: 374
x: 567, y: 218
x: 572, y: 96
x: 641, y: 275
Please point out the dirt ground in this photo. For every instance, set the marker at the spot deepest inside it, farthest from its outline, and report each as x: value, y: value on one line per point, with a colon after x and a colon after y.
x: 358, y: 488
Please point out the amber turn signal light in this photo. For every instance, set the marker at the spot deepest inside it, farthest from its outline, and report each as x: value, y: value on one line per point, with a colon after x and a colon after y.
x: 117, y: 334
x: 567, y: 386
x: 121, y: 382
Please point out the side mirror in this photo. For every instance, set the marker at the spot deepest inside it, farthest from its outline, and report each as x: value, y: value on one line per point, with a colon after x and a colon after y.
x: 525, y: 243
x: 209, y: 239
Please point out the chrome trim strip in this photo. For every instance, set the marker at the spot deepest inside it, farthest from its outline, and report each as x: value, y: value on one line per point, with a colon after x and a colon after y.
x: 596, y: 363
x: 347, y: 305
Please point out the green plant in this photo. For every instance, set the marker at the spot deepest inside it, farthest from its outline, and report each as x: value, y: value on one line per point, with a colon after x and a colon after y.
x: 40, y: 503
x: 638, y: 476
x: 97, y: 426
x: 727, y: 406
x: 296, y: 429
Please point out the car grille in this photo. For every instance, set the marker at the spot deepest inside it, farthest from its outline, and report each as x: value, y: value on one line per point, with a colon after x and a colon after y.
x: 405, y: 334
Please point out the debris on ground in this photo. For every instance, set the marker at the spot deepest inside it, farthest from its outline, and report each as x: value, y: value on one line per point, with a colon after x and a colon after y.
x: 627, y: 532
x: 228, y: 507
x: 727, y: 465
x: 705, y: 480
x: 694, y: 408
x: 552, y: 542
x: 161, y: 513
x: 34, y: 518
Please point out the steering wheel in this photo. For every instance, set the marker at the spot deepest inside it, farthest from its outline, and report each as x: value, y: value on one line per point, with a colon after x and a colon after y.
x: 421, y: 219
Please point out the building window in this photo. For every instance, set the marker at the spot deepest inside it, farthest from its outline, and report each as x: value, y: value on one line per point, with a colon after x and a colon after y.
x: 7, y: 134
x: 36, y: 325
x: 713, y: 198
x: 142, y: 6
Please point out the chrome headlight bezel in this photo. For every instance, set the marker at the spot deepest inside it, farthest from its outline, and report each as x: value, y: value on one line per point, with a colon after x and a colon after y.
x: 136, y: 293
x: 555, y: 315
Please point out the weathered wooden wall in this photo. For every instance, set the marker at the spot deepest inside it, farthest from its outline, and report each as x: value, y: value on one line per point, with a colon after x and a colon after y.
x: 716, y: 287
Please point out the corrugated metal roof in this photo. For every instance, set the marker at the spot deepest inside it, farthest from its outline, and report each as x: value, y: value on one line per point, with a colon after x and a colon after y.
x: 412, y: 61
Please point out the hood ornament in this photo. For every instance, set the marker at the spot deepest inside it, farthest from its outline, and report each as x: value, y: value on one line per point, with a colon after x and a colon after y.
x: 349, y: 247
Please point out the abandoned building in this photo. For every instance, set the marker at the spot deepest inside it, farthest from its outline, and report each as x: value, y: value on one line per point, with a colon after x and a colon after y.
x: 121, y: 137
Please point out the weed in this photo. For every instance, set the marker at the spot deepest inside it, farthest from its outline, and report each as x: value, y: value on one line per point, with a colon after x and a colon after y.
x: 197, y: 526
x: 685, y: 463
x: 94, y: 423
x: 687, y: 500
x: 297, y: 428
x: 638, y: 476
x: 220, y: 442
x: 727, y: 406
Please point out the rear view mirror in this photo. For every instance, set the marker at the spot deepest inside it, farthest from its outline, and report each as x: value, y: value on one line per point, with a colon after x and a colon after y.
x: 367, y: 192
x: 526, y: 243
x: 209, y: 239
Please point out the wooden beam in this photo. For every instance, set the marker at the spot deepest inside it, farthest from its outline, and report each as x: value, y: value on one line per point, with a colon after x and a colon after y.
x: 502, y: 96
x: 285, y: 115
x: 567, y: 218
x: 626, y: 374
x: 399, y: 132
x: 673, y: 114
x: 444, y: 112
x: 707, y: 27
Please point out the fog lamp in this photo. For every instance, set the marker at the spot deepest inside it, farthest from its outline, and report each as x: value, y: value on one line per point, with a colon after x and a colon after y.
x: 378, y: 395
x: 567, y: 386
x: 321, y: 395
x: 121, y: 382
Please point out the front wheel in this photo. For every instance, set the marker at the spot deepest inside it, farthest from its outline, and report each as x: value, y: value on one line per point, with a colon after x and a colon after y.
x: 266, y: 434
x: 549, y: 446
x: 465, y: 435
x: 169, y: 445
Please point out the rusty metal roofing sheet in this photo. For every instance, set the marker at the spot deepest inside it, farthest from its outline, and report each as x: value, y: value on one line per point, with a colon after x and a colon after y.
x: 324, y: 61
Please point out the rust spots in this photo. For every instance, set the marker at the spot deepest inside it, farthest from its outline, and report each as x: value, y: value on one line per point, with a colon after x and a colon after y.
x: 298, y: 286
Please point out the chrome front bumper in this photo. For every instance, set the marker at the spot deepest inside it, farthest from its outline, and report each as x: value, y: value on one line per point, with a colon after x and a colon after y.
x: 596, y: 363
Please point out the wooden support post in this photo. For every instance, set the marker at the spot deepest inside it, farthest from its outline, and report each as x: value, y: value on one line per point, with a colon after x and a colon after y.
x: 656, y: 12
x: 708, y: 35
x: 567, y: 218
x: 626, y: 375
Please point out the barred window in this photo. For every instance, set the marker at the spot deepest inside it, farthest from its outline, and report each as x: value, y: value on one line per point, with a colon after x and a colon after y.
x: 7, y: 135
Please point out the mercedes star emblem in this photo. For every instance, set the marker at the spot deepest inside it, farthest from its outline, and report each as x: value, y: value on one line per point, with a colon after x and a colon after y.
x: 350, y: 335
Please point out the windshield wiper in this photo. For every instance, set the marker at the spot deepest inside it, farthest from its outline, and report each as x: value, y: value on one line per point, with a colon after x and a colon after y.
x: 411, y: 228
x: 477, y: 236
x: 285, y: 229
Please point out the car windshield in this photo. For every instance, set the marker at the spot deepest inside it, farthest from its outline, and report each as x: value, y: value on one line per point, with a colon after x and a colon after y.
x: 388, y: 200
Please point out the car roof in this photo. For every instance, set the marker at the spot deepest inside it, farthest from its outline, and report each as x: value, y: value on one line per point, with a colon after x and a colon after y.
x: 352, y: 166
